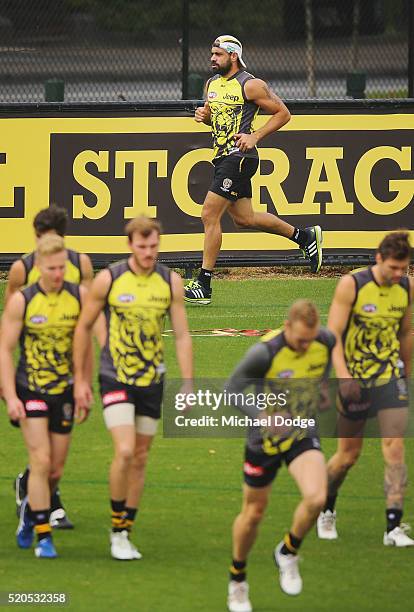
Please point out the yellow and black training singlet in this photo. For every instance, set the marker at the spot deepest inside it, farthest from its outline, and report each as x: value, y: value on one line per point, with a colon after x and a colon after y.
x: 135, y: 312
x: 303, y: 398
x: 231, y: 112
x: 45, y: 364
x: 371, y: 344
x: 73, y: 273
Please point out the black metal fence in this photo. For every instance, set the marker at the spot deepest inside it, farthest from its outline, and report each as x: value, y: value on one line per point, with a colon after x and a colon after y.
x: 99, y: 50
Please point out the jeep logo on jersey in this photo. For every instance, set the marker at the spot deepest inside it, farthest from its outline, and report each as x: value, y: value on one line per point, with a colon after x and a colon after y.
x: 37, y: 319
x: 231, y: 97
x: 286, y: 374
x: 126, y: 298
x: 369, y: 308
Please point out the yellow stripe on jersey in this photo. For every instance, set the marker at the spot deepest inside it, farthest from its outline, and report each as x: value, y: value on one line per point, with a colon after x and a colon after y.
x: 135, y: 312
x: 45, y: 364
x: 371, y: 344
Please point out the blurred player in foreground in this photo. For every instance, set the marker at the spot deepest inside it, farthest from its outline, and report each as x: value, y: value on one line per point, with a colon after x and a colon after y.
x: 301, y: 351
x: 39, y: 394
x: 371, y: 318
x: 135, y: 295
x: 24, y: 272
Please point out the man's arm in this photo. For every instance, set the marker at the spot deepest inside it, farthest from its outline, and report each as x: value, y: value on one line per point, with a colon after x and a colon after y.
x: 89, y: 356
x: 183, y: 343
x: 338, y: 317
x: 405, y: 335
x: 16, y: 280
x: 86, y: 270
x: 251, y: 369
x: 259, y: 92
x: 12, y: 324
x: 94, y: 305
x: 99, y: 329
x: 202, y: 113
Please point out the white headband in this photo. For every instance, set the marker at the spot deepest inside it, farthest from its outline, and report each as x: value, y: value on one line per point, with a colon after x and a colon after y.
x: 231, y: 45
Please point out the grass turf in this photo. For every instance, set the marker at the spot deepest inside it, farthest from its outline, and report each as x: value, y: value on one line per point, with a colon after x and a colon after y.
x: 192, y: 494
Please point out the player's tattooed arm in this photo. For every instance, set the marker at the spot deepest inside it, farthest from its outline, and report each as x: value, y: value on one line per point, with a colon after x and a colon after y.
x: 260, y: 93
x: 268, y: 93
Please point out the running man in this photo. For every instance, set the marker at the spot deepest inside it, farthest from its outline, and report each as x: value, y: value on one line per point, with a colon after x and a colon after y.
x: 301, y: 350
x: 371, y: 318
x: 135, y: 295
x: 233, y: 99
x: 24, y: 272
x: 39, y: 394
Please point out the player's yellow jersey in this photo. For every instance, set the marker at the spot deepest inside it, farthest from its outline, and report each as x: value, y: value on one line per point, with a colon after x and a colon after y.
x: 307, y: 369
x: 73, y: 273
x: 231, y: 112
x: 135, y: 311
x: 371, y: 344
x: 288, y: 363
x: 45, y: 364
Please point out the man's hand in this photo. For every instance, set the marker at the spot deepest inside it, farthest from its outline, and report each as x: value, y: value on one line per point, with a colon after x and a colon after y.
x: 83, y: 401
x: 15, y: 409
x: 325, y: 400
x: 349, y: 389
x: 245, y: 142
x: 185, y: 389
x: 277, y: 428
x: 201, y: 114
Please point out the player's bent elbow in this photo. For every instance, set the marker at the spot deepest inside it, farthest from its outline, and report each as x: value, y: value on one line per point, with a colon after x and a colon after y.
x: 286, y: 117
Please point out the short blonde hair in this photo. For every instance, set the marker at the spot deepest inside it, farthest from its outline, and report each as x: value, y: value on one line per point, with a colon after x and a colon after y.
x: 50, y: 244
x: 305, y: 311
x: 142, y: 225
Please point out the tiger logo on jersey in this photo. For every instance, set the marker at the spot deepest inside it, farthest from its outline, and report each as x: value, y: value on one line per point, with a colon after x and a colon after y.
x: 138, y: 335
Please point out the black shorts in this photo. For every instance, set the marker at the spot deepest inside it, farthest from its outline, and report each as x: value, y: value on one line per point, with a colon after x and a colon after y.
x: 58, y: 409
x: 393, y: 394
x: 260, y: 470
x: 232, y: 176
x: 147, y: 400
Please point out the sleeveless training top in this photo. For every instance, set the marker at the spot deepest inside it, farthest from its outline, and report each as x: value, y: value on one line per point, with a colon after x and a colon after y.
x: 231, y: 112
x: 135, y: 310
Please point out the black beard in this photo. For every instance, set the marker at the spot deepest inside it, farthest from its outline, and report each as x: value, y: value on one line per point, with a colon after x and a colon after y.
x: 223, y: 70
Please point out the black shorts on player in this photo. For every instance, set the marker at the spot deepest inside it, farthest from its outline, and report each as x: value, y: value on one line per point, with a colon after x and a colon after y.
x: 232, y: 176
x: 260, y: 469
x: 147, y: 400
x: 58, y: 409
x: 393, y: 394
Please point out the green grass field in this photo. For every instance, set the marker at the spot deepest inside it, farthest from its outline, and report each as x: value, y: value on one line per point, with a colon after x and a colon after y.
x: 192, y: 495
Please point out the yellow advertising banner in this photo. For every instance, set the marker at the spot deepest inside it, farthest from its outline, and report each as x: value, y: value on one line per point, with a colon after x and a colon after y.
x: 352, y: 174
